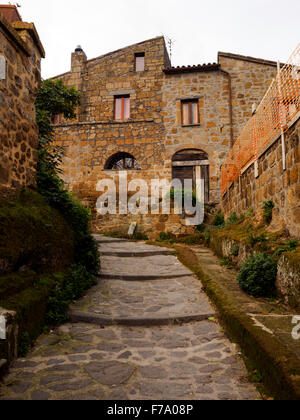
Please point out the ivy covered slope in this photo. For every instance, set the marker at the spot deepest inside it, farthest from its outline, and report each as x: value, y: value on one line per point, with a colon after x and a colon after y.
x: 47, y: 255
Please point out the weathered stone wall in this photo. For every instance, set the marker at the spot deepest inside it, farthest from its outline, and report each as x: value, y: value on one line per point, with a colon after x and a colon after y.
x: 95, y: 137
x: 275, y: 184
x: 20, y: 55
x: 250, y: 79
x: 154, y: 133
x: 212, y: 135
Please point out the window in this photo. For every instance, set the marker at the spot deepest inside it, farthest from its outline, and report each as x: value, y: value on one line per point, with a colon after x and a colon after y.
x: 122, y: 161
x: 122, y: 107
x: 139, y: 61
x: 190, y: 112
x: 56, y: 119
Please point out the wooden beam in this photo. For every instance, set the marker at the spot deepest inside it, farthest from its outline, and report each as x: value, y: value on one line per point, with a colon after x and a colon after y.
x: 192, y: 163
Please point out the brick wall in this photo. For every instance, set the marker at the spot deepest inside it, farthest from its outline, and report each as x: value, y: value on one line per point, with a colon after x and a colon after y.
x: 275, y: 184
x: 20, y: 59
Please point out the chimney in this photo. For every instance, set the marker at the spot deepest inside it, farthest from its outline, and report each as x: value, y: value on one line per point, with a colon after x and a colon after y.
x: 10, y: 12
x: 78, y: 60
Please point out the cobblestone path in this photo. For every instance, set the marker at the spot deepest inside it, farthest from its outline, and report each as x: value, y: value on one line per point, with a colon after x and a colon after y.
x: 144, y: 332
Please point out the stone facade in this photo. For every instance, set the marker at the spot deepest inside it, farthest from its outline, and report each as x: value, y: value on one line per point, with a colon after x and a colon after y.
x: 155, y: 131
x: 250, y: 79
x: 273, y: 183
x: 20, y: 59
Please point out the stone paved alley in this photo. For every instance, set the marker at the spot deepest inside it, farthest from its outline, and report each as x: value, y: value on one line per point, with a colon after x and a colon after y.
x: 146, y: 331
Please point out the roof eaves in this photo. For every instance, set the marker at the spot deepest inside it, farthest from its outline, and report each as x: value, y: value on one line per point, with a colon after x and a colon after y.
x: 247, y: 58
x: 13, y: 34
x: 192, y: 69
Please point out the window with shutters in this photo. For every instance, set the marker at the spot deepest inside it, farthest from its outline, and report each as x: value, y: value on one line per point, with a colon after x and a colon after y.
x: 122, y: 108
x: 190, y: 112
x: 139, y: 61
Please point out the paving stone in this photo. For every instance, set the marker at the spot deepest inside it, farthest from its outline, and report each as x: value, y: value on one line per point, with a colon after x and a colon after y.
x: 125, y: 355
x: 194, y: 360
x: 110, y: 373
x: 77, y: 358
x: 40, y: 396
x: 55, y: 362
x: 20, y: 387
x: 70, y: 386
x: 111, y: 347
x: 46, y: 380
x: 118, y: 395
x: 153, y: 372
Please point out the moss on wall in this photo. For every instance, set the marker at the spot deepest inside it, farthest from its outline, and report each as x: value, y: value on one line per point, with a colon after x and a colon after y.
x: 35, y: 243
x: 33, y: 236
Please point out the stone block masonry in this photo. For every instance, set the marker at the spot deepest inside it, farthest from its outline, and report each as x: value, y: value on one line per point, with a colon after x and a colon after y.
x: 20, y: 59
x: 273, y: 183
x: 155, y: 134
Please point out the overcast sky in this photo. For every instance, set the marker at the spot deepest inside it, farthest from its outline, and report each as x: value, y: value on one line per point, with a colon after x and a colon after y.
x: 267, y: 29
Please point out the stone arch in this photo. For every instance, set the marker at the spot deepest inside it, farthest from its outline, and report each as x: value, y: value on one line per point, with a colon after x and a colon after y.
x: 190, y: 163
x: 121, y: 161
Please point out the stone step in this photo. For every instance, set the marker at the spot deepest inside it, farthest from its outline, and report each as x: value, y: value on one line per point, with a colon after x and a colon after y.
x: 107, y: 240
x: 132, y: 249
x: 143, y: 303
x: 143, y: 268
x: 102, y: 320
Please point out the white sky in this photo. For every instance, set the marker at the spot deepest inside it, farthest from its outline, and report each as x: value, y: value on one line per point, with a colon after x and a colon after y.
x: 267, y: 29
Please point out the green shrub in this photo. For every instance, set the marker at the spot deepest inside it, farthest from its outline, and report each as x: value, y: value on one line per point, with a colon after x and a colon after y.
x: 165, y: 237
x: 174, y: 193
x: 287, y: 247
x: 232, y: 219
x: 140, y: 236
x: 201, y: 228
x: 257, y: 239
x: 194, y: 239
x: 257, y: 276
x: 235, y: 251
x: 69, y: 287
x: 86, y: 248
x: 268, y: 211
x: 226, y: 262
x: 219, y: 220
x: 24, y: 344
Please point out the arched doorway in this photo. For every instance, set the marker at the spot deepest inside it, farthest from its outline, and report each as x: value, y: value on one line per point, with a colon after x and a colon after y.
x: 189, y: 164
x: 121, y: 161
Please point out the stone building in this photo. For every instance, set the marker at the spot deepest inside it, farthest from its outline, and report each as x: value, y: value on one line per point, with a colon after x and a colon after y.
x: 20, y: 63
x: 140, y: 114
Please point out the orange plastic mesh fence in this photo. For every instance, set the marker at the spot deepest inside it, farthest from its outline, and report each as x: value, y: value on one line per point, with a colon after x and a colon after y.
x: 278, y: 107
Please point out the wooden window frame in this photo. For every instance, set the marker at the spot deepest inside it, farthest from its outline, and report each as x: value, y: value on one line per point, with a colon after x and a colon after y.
x: 57, y: 119
x: 190, y: 102
x: 136, y: 55
x: 122, y: 97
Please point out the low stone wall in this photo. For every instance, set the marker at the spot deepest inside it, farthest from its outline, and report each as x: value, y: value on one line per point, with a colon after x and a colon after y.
x: 151, y: 225
x: 288, y: 277
x: 273, y: 183
x: 8, y: 346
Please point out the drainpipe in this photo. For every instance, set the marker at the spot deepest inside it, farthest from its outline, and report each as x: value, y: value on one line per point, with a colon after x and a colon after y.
x: 230, y: 105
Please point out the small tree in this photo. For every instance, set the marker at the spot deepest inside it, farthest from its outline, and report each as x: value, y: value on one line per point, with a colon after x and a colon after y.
x: 53, y: 98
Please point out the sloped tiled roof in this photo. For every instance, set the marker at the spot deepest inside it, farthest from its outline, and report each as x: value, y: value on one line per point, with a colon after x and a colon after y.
x: 192, y: 69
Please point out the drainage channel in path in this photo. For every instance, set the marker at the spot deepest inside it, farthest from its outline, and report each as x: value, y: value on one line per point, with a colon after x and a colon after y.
x: 145, y: 331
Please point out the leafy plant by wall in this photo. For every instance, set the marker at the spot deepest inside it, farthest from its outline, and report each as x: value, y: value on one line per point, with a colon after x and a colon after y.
x: 268, y: 211
x: 257, y: 276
